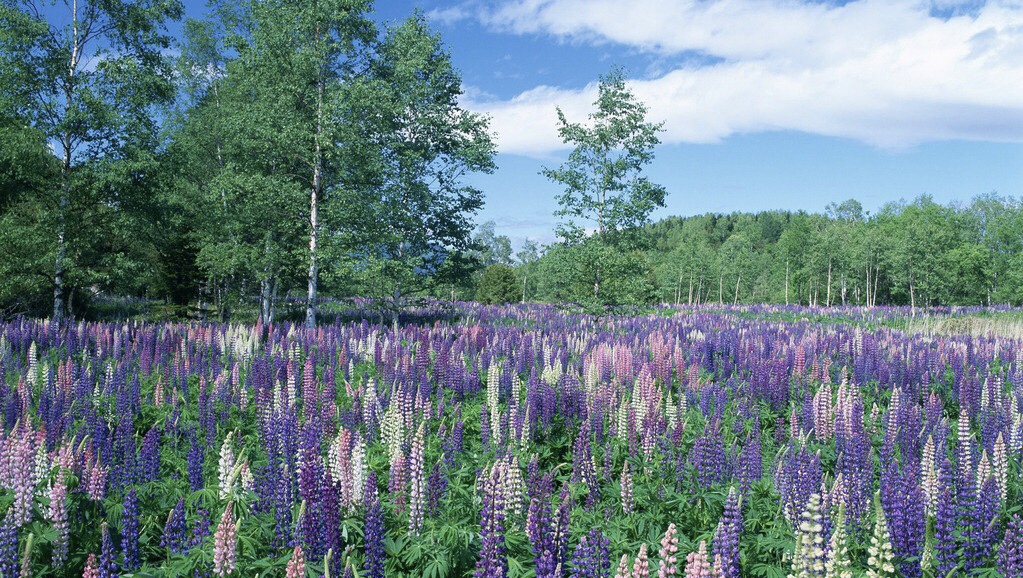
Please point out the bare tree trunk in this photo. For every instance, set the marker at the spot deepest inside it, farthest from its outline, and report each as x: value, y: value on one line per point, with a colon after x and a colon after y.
x: 721, y: 288
x: 868, y: 283
x: 314, y: 194
x: 827, y: 302
x: 690, y: 287
x: 786, y: 282
x: 737, y: 280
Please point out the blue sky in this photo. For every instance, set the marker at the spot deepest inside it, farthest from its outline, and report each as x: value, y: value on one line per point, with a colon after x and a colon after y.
x: 767, y: 104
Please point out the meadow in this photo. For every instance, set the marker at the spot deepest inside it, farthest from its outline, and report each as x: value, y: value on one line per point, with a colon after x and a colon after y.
x: 525, y: 440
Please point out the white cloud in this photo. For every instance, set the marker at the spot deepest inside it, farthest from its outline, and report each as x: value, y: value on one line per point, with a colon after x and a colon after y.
x: 885, y: 72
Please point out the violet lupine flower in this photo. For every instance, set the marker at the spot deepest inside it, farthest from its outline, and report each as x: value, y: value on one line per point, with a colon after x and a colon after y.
x: 592, y: 557
x: 175, y: 531
x: 903, y: 503
x: 989, y: 506
x: 130, y: 531
x: 726, y: 536
x: 373, y: 530
x: 1010, y: 553
x: 436, y: 487
x: 708, y: 457
x: 107, y: 566
x: 195, y: 463
x: 8, y: 547
x: 669, y: 549
x: 150, y: 455
x: 492, y: 562
x: 540, y: 531
x: 225, y: 543
x: 750, y: 467
x: 296, y: 565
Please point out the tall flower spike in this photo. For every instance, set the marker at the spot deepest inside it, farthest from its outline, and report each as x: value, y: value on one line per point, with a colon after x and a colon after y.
x: 698, y: 563
x: 669, y: 549
x: 641, y: 567
x: 929, y: 476
x: 296, y: 566
x: 726, y: 536
x: 225, y: 542
x: 838, y: 565
x: 1010, y: 554
x: 808, y: 559
x: 881, y: 559
x: 626, y: 483
x: 417, y: 499
x: 623, y: 567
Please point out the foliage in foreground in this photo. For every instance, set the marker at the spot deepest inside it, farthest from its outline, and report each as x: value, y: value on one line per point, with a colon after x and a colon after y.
x: 514, y: 441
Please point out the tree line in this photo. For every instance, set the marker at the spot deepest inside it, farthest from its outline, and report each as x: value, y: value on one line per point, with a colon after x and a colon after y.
x: 918, y: 253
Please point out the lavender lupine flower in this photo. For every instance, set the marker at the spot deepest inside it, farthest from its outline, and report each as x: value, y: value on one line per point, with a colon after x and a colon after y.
x: 225, y: 543
x: 373, y: 530
x: 107, y: 566
x: 668, y: 553
x: 175, y: 531
x: 592, y: 558
x: 726, y: 536
x: 57, y: 515
x: 8, y: 547
x: 750, y: 466
x: 903, y: 503
x: 492, y: 562
x: 989, y: 506
x: 1010, y: 553
x: 130, y: 531
x: 626, y: 483
x: 296, y: 565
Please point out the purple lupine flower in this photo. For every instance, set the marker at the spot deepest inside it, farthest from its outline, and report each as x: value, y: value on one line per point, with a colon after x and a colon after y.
x: 750, y: 467
x: 1010, y: 553
x: 436, y: 488
x: 373, y: 530
x: 8, y: 547
x: 175, y: 531
x: 902, y: 499
x: 726, y: 536
x: 540, y: 531
x: 592, y: 557
x: 130, y: 531
x: 107, y: 566
x: 195, y: 465
x: 492, y: 563
x: 708, y: 457
x: 150, y: 455
x: 989, y: 507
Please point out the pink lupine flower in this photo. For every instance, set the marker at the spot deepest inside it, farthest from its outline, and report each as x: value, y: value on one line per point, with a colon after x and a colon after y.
x: 698, y: 563
x: 669, y: 547
x: 296, y: 566
x: 225, y: 544
x: 57, y: 515
x: 91, y: 567
x: 641, y: 567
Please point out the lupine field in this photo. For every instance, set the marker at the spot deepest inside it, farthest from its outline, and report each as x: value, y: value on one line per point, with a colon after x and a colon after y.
x: 516, y: 441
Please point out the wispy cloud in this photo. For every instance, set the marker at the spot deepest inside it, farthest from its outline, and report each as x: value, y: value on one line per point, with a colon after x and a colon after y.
x: 892, y: 73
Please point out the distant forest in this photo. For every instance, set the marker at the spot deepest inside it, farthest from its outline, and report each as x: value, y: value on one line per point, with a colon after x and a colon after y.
x: 917, y: 253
